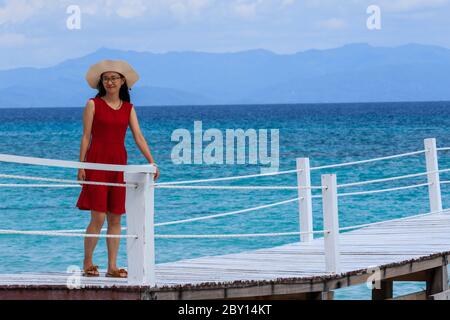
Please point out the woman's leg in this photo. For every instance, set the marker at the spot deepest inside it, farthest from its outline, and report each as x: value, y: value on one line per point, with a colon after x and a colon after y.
x: 94, y: 227
x: 113, y: 243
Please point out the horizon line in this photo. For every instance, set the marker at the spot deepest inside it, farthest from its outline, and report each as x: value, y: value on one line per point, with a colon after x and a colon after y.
x: 248, y: 104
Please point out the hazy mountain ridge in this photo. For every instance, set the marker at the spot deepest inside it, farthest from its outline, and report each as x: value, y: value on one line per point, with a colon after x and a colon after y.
x: 352, y: 73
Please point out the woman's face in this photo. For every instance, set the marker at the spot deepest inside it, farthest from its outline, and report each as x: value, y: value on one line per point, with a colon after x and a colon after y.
x: 112, y: 82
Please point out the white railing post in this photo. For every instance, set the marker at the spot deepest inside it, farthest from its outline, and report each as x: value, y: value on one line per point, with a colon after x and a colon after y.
x: 434, y: 188
x: 331, y: 223
x: 304, y: 199
x: 139, y: 207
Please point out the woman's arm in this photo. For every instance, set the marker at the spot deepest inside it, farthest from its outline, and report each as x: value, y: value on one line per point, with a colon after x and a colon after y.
x: 140, y: 139
x: 88, y: 117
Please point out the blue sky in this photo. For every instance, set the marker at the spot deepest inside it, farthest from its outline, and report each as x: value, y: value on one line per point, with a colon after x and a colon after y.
x: 34, y: 32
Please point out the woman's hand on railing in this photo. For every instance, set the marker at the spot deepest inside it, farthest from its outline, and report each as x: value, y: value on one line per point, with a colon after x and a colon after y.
x: 81, y: 175
x: 157, y: 171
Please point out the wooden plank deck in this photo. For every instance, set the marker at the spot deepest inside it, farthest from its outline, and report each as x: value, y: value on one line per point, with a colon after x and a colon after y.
x: 395, y: 242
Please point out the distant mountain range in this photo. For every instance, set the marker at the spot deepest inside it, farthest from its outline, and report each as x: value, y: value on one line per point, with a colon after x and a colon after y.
x: 352, y: 73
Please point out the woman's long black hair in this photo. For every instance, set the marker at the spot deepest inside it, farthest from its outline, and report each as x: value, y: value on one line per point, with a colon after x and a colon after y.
x: 124, y: 94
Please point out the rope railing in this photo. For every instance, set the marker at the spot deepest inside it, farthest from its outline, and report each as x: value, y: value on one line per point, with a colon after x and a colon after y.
x: 68, y: 233
x: 19, y: 159
x: 368, y: 160
x: 80, y: 230
x: 266, y: 206
x: 200, y: 187
x: 11, y: 176
x: 248, y: 209
x: 33, y: 185
x: 62, y: 234
x: 329, y: 193
x: 318, y: 196
x: 229, y: 178
x: 240, y: 187
x: 353, y: 184
x: 289, y: 171
x: 132, y: 168
x: 226, y: 213
x: 392, y: 220
x: 185, y: 236
x: 169, y: 185
x: 382, y: 190
x: 236, y: 235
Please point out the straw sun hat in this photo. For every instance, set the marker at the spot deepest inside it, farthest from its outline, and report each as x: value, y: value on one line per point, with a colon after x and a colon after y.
x: 120, y: 66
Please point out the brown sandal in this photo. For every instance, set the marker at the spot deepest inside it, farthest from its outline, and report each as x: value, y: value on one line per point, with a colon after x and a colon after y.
x: 92, y: 271
x: 117, y: 273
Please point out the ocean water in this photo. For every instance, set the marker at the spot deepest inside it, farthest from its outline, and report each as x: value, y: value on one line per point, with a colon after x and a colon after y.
x: 326, y: 133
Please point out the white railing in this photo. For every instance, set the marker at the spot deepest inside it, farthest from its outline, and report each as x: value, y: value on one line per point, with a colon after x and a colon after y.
x: 139, y: 205
x: 330, y: 200
x: 140, y: 199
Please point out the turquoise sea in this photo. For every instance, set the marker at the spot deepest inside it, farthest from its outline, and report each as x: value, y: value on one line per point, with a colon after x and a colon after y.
x: 326, y: 133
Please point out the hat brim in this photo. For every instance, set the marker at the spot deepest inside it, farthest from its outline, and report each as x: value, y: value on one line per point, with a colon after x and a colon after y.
x: 120, y: 66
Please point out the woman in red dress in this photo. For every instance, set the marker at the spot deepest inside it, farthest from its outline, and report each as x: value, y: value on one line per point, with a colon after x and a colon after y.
x: 105, y: 121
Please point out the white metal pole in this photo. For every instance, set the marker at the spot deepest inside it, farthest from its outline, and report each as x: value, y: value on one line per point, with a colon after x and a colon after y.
x: 434, y: 189
x: 331, y: 223
x: 139, y: 206
x: 305, y: 200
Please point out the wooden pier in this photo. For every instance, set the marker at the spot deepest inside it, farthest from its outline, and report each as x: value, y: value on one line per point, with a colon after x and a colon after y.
x: 413, y: 248
x: 416, y: 249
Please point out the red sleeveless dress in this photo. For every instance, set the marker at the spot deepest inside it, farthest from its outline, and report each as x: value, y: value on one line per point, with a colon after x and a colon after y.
x: 107, y: 145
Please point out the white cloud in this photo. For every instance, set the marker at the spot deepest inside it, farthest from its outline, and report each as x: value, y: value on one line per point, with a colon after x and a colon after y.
x: 178, y: 9
x: 18, y: 11
x: 249, y: 9
x: 245, y: 9
x: 183, y: 10
x: 14, y: 11
x: 320, y: 3
x: 12, y: 40
x: 389, y: 5
x: 131, y: 8
x: 200, y: 4
x: 16, y: 40
x: 285, y: 3
x: 332, y: 24
x: 409, y: 5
